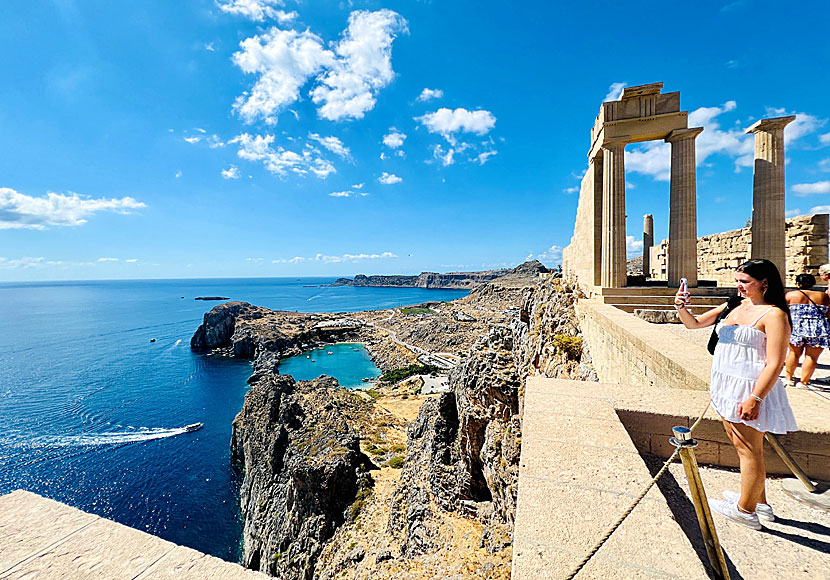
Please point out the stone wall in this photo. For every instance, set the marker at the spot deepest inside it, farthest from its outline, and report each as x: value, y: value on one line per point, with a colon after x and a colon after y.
x: 582, y: 257
x: 719, y: 254
x: 627, y: 350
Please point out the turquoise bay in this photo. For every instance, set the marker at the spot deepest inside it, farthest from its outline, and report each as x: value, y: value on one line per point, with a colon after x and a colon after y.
x: 348, y: 362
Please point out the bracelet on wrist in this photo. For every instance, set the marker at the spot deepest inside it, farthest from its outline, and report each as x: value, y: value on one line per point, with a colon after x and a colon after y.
x: 679, y: 308
x: 756, y: 397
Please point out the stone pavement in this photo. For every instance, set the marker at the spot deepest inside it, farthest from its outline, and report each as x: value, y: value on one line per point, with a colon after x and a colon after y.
x: 579, y: 471
x: 44, y: 539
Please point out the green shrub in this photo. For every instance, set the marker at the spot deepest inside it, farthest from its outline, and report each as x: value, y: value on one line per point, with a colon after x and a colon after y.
x: 396, y: 462
x: 397, y: 375
x: 398, y: 448
x: 570, y: 346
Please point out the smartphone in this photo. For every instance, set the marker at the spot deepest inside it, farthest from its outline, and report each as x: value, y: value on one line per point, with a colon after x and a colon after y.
x: 684, y: 287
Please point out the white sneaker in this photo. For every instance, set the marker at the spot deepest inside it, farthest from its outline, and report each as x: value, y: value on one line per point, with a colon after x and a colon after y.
x: 764, y: 510
x: 730, y: 511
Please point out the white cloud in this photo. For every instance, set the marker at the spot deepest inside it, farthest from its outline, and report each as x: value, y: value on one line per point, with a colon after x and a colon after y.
x: 633, y: 247
x: 100, y: 260
x: 257, y: 10
x: 824, y: 164
x: 394, y: 138
x: 824, y: 139
x: 552, y: 255
x: 358, y: 186
x: 333, y: 144
x: 131, y: 260
x: 348, y: 77
x: 341, y: 194
x: 820, y: 209
x: 446, y: 158
x: 792, y: 212
x: 282, y: 161
x: 255, y: 260
x: 20, y: 211
x: 615, y: 91
x: 810, y: 188
x: 231, y: 172
x: 193, y: 140
x: 570, y: 190
x: 363, y: 65
x: 654, y: 158
x: 178, y: 173
x: 209, y: 47
x: 446, y: 122
x: 284, y: 61
x: 485, y: 156
x: 804, y: 124
x: 429, y: 94
x: 337, y: 259
x: 389, y: 178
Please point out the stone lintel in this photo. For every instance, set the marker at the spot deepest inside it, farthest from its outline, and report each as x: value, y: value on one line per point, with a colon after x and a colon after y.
x: 771, y: 124
x: 680, y: 134
x: 640, y: 129
x: 641, y: 90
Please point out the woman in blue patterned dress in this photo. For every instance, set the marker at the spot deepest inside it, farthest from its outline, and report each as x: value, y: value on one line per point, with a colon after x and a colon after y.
x: 811, y: 331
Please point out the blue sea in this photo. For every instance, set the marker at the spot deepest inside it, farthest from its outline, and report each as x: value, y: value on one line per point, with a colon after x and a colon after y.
x: 91, y: 411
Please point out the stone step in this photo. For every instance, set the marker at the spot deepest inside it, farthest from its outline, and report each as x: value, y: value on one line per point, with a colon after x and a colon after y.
x: 663, y: 300
x: 658, y: 291
x: 632, y: 307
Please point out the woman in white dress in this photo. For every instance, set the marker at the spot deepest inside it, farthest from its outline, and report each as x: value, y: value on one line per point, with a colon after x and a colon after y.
x: 745, y: 388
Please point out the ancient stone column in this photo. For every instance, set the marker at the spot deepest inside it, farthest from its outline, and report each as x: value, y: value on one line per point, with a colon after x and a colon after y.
x: 682, y: 256
x: 768, y: 227
x: 648, y: 241
x: 613, y: 215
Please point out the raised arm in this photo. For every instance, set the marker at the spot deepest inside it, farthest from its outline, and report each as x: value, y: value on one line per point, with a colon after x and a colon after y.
x: 688, y: 319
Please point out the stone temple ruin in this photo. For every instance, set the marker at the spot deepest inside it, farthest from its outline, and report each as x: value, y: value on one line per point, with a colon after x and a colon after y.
x: 596, y: 256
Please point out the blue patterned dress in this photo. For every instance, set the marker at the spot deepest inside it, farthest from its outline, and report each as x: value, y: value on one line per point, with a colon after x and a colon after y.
x: 810, y: 325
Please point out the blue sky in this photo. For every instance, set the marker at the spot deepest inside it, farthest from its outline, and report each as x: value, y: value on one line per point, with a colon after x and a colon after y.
x: 203, y: 138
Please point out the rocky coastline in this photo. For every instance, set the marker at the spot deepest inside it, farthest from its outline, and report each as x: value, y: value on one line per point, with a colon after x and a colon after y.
x: 434, y: 280
x: 393, y: 484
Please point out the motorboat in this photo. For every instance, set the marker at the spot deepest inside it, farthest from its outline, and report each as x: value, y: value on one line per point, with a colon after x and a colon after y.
x: 193, y: 427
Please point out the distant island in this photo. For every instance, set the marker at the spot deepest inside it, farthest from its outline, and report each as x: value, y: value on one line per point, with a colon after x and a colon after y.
x: 211, y: 298
x: 434, y: 280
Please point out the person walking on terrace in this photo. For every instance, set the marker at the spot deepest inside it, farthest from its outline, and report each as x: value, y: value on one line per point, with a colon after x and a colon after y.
x: 811, y: 329
x: 745, y: 388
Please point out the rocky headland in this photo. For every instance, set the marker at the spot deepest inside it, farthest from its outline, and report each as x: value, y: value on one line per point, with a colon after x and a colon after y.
x: 449, y: 280
x: 391, y: 483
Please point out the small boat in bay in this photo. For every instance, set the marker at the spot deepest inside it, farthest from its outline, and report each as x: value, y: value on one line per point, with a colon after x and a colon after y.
x: 193, y: 427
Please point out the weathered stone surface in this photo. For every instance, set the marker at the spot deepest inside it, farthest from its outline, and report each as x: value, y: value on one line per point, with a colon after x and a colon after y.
x: 719, y: 254
x: 463, y: 449
x: 657, y: 316
x: 302, y: 470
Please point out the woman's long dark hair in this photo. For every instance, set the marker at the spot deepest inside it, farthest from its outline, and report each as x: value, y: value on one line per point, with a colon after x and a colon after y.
x: 761, y: 270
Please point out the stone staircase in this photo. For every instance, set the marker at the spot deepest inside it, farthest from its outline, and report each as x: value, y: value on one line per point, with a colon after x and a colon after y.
x: 650, y: 298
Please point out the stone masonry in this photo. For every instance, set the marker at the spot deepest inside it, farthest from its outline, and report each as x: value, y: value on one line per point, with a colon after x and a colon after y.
x: 719, y: 254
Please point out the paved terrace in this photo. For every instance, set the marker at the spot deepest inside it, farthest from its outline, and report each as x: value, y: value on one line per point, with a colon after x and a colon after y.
x: 44, y: 539
x: 588, y: 449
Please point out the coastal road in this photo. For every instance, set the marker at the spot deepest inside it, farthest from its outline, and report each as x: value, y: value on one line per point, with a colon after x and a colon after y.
x: 442, y: 359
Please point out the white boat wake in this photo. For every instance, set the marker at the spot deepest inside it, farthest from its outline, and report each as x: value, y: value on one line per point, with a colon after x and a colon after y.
x: 119, y: 438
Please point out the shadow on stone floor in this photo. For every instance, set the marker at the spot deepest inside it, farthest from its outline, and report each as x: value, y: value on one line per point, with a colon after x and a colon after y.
x: 683, y: 511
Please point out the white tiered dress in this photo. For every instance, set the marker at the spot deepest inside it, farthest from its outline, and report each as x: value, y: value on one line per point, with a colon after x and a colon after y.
x: 739, y: 359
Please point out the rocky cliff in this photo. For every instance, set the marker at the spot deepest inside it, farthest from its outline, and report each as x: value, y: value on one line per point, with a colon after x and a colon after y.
x: 303, y: 469
x: 309, y: 505
x: 463, y: 449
